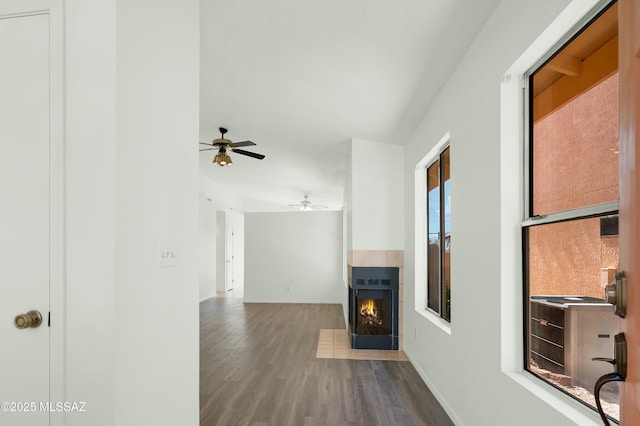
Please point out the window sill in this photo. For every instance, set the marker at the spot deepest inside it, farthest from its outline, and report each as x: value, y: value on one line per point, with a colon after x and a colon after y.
x: 435, y: 320
x: 564, y: 404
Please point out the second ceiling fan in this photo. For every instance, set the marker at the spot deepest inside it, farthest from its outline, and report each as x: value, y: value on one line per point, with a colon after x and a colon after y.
x: 305, y: 205
x: 222, y: 145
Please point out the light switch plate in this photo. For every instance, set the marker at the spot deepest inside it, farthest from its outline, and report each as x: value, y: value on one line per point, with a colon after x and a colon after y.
x: 167, y: 257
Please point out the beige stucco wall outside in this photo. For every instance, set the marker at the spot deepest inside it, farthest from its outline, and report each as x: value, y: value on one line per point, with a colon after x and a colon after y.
x: 575, y: 165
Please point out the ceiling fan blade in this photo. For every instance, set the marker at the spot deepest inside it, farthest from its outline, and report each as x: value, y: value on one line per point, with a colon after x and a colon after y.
x: 243, y: 143
x: 207, y: 149
x: 249, y: 154
x: 205, y: 143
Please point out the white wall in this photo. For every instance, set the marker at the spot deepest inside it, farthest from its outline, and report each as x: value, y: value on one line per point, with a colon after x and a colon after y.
x: 293, y: 257
x: 464, y: 364
x: 131, y: 102
x: 207, y: 232
x: 90, y: 204
x: 157, y: 326
x: 377, y: 196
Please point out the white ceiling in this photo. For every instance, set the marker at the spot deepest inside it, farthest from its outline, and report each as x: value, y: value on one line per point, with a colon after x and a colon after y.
x: 301, y: 78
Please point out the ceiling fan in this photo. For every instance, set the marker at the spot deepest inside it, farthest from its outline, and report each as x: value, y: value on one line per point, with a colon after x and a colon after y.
x: 305, y: 205
x: 222, y: 145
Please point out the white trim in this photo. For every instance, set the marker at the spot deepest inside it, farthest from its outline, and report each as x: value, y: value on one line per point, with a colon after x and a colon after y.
x: 433, y: 154
x: 435, y: 319
x: 420, y: 230
x: 512, y: 213
x: 581, y: 212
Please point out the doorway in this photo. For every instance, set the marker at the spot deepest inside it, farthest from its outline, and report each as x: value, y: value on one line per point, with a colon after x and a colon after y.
x: 230, y: 255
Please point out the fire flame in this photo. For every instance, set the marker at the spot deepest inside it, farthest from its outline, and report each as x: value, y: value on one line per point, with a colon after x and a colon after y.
x: 369, y: 313
x: 368, y: 308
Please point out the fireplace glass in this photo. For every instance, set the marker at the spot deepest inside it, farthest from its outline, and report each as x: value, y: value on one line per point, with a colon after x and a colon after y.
x: 373, y: 316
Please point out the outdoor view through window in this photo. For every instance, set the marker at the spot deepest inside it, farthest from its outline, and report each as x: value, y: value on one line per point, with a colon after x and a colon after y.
x: 439, y: 231
x: 571, y: 239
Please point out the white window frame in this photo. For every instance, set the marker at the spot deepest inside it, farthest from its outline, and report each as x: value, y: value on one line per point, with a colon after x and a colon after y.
x: 421, y: 237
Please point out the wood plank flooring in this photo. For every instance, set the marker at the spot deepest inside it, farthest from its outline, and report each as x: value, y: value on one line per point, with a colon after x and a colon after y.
x: 258, y: 366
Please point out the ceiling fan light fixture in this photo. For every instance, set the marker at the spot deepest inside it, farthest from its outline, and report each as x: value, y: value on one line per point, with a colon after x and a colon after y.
x: 218, y: 159
x: 306, y: 205
x: 222, y: 158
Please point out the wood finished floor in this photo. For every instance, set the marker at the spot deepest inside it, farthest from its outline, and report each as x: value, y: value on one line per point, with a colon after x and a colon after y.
x: 258, y: 366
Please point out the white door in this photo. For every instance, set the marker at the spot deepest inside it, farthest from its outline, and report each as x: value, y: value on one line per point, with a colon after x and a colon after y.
x: 24, y: 218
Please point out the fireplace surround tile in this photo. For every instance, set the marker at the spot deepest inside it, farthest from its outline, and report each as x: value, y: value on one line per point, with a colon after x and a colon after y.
x: 395, y: 258
x: 378, y: 258
x: 360, y: 258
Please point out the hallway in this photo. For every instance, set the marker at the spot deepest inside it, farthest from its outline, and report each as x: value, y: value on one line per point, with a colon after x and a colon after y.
x: 258, y: 366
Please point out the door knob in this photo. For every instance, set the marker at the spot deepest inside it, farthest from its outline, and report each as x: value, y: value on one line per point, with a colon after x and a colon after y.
x: 31, y: 319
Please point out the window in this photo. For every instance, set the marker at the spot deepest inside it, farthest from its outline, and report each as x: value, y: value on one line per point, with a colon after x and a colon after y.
x: 570, y: 243
x: 432, y: 195
x: 439, y: 235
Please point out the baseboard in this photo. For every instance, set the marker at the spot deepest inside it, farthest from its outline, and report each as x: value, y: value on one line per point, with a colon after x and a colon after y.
x: 300, y: 301
x: 454, y: 418
x: 207, y: 297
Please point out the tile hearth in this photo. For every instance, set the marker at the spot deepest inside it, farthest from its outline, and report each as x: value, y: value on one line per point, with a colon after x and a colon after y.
x: 335, y: 343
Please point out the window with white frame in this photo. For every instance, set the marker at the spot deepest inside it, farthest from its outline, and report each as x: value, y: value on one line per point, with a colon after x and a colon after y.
x: 570, y: 242
x: 438, y: 227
